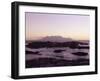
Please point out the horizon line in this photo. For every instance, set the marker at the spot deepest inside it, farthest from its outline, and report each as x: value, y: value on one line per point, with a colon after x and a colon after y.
x: 41, y: 37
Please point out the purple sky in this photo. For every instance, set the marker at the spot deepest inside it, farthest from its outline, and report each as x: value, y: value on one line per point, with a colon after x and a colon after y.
x: 70, y: 26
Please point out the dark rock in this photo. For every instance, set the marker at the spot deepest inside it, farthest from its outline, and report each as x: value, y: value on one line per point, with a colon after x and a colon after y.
x: 58, y: 51
x: 31, y: 52
x: 80, y: 53
x: 28, y: 52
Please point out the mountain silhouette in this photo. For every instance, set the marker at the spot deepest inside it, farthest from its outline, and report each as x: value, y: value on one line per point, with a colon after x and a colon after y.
x: 55, y: 39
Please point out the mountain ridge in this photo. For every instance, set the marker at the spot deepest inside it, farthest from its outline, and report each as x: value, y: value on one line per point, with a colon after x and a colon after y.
x: 55, y: 39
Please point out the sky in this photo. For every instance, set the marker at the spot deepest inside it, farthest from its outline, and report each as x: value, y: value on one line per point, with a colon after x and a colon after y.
x: 73, y: 26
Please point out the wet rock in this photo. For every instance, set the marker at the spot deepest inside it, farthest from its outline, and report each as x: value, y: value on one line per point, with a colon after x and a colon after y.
x: 80, y: 53
x: 58, y: 51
